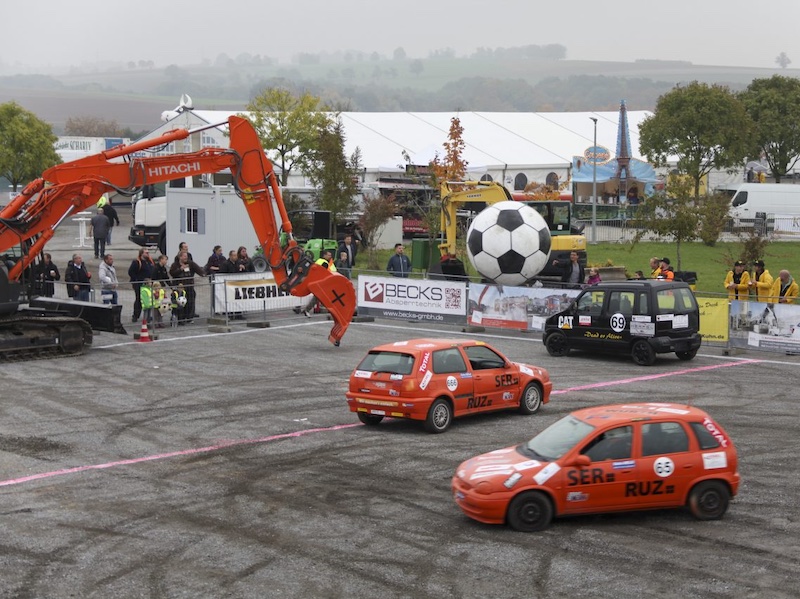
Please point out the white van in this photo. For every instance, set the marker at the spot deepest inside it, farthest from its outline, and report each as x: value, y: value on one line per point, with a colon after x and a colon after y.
x: 773, y: 199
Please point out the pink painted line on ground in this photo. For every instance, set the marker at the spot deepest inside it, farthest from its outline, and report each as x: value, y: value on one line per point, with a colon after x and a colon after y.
x: 651, y: 377
x: 217, y: 447
x: 173, y: 454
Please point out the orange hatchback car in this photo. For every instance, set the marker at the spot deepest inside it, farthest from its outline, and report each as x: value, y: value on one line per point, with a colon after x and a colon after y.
x: 604, y: 459
x: 436, y: 380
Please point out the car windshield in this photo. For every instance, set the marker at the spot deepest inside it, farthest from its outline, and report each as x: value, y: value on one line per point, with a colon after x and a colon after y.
x: 387, y: 361
x: 558, y: 438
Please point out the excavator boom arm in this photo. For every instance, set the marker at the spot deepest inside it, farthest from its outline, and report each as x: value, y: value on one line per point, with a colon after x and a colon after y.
x: 457, y: 195
x: 74, y: 186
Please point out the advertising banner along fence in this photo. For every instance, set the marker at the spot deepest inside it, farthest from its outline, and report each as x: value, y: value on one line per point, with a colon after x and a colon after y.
x: 770, y: 327
x: 519, y: 308
x: 412, y: 299
x: 251, y: 292
x: 713, y: 319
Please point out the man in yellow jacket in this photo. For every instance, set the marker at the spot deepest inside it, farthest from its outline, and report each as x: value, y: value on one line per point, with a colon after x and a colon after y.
x: 737, y: 282
x: 784, y: 289
x: 760, y: 282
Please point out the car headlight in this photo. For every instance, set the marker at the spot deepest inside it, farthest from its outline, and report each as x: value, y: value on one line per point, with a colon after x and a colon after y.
x: 484, y: 487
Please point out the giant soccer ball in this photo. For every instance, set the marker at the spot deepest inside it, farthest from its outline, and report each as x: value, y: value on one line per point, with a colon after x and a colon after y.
x: 508, y: 243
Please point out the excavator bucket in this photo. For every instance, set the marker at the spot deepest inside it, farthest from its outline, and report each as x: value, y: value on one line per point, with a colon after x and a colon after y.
x: 335, y: 292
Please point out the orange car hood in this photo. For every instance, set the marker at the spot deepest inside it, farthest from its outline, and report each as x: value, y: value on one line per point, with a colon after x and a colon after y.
x: 505, y: 466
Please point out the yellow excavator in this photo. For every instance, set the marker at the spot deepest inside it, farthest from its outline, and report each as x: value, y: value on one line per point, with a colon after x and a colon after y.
x: 474, y: 196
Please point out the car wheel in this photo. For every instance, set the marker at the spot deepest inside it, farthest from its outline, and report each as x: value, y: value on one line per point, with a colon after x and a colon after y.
x: 530, y: 512
x: 709, y: 500
x: 686, y: 355
x: 557, y: 345
x: 531, y: 399
x: 643, y: 353
x: 369, y: 419
x: 440, y: 416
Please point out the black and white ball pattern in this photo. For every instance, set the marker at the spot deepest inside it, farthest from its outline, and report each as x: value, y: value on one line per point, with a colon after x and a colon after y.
x: 508, y: 243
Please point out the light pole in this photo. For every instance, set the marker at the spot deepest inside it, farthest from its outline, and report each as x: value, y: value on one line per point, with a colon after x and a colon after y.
x: 594, y: 183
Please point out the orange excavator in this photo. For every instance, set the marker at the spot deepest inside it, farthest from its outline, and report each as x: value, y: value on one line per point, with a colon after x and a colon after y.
x: 31, y: 218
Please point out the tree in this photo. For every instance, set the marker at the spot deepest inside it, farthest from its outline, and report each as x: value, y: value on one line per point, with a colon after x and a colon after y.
x: 92, y: 126
x: 334, y: 174
x: 416, y: 67
x: 399, y: 53
x: 672, y: 215
x: 378, y: 210
x: 288, y: 126
x: 26, y: 145
x: 774, y: 106
x: 782, y: 60
x: 706, y: 127
x: 451, y: 167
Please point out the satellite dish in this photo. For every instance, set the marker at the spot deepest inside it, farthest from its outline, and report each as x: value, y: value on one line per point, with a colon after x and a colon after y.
x: 168, y: 115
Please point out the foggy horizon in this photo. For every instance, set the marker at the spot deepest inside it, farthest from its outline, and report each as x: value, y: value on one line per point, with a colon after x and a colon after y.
x: 49, y: 36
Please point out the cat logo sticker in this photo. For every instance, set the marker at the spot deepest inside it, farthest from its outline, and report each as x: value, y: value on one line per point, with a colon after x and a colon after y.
x: 565, y: 322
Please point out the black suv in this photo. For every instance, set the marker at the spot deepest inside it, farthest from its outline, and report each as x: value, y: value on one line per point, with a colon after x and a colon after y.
x: 641, y: 318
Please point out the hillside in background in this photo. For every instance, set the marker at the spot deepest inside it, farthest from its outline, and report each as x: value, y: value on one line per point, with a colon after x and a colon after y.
x: 135, y: 94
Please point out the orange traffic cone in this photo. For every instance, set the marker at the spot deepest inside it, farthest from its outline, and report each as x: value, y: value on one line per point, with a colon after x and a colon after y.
x: 144, y: 335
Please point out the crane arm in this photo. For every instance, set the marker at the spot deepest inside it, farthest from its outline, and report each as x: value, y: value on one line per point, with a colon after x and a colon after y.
x: 65, y: 189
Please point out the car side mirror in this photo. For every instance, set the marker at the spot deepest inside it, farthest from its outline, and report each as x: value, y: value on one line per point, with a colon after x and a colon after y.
x: 581, y: 461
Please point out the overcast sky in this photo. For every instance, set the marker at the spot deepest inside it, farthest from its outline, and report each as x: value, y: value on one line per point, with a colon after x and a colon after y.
x: 39, y: 33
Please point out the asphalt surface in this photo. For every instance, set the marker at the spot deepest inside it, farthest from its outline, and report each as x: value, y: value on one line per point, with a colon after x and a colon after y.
x: 228, y: 465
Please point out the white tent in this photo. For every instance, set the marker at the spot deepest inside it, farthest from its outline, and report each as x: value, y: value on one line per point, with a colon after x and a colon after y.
x: 501, y: 145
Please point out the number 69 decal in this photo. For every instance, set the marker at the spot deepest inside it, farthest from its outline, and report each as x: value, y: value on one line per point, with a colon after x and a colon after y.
x: 618, y: 322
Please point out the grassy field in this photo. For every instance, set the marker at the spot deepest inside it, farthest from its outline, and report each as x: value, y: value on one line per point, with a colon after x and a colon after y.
x: 710, y: 263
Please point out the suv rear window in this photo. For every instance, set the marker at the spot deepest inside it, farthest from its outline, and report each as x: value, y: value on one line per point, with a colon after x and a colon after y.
x: 676, y: 300
x: 387, y: 361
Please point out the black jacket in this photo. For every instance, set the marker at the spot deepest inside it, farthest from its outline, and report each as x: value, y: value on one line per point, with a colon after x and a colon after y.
x: 160, y: 274
x: 111, y: 213
x: 566, y: 271
x: 139, y: 270
x: 228, y: 267
x: 76, y: 275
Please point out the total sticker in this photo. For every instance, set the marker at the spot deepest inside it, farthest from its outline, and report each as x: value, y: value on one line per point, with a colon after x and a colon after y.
x: 452, y: 383
x: 664, y: 467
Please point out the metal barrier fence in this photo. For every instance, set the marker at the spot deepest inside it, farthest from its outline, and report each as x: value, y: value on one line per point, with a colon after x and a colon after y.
x: 621, y: 230
x: 126, y: 296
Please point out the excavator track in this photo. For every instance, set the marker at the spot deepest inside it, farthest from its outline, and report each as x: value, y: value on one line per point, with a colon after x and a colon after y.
x: 30, y: 337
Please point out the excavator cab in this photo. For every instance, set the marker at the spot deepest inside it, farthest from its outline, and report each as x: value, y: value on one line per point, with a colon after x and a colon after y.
x: 10, y: 291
